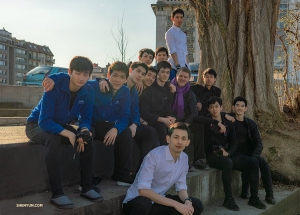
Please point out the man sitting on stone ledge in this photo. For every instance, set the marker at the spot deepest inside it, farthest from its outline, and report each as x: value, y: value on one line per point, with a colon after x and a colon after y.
x: 48, y: 125
x: 163, y: 167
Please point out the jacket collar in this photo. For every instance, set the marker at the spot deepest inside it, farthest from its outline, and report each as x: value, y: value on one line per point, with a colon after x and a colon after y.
x: 66, y: 87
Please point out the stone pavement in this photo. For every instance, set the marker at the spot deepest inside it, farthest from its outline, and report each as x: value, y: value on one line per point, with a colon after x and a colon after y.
x: 12, y: 134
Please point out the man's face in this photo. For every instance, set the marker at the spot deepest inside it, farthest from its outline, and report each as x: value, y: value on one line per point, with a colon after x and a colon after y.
x: 137, y: 74
x: 78, y: 79
x: 215, y: 109
x: 177, y: 19
x: 178, y: 141
x: 117, y: 79
x: 149, y: 78
x: 239, y: 108
x: 161, y: 56
x: 209, y: 80
x: 146, y: 58
x: 182, y: 78
x: 163, y: 74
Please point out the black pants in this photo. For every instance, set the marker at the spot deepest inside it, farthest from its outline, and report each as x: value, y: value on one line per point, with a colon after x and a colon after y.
x: 53, y: 143
x: 162, y: 131
x: 122, y: 148
x: 145, y: 138
x: 141, y: 205
x: 197, y: 130
x: 265, y: 176
x: 245, y: 164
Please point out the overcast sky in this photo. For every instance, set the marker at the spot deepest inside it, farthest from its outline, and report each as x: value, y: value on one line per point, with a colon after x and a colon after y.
x: 76, y: 27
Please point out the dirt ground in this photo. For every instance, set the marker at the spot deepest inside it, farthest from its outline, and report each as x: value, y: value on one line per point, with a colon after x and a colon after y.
x: 282, y: 151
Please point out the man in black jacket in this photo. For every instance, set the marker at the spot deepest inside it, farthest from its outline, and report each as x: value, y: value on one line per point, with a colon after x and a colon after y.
x: 203, y: 93
x: 156, y: 103
x: 220, y: 149
x: 250, y: 144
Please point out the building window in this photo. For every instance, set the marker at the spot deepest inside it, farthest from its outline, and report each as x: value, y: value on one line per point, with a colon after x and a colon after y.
x: 20, y: 51
x: 19, y: 74
x: 20, y: 59
x: 3, y: 72
x: 2, y: 63
x: 2, y: 47
x: 3, y: 80
x: 19, y: 83
x: 3, y: 56
x: 18, y: 66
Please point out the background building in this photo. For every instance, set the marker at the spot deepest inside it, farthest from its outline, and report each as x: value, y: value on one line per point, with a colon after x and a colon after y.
x: 17, y: 57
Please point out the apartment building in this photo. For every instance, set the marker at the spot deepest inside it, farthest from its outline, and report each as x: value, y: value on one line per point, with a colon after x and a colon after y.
x: 17, y: 57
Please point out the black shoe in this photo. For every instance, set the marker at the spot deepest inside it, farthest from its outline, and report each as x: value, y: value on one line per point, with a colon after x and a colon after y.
x: 245, y: 196
x: 96, y: 180
x: 270, y: 199
x: 199, y: 164
x: 230, y: 204
x: 255, y: 202
x: 191, y: 168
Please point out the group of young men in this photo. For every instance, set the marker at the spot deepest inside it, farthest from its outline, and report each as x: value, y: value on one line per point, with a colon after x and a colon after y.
x: 162, y: 116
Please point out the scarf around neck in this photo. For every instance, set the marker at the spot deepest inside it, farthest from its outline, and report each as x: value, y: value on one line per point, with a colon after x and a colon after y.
x: 178, y: 106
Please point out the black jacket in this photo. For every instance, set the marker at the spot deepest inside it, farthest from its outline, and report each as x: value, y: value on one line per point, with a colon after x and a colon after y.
x: 213, y: 138
x: 156, y: 101
x: 254, y: 136
x: 190, y: 109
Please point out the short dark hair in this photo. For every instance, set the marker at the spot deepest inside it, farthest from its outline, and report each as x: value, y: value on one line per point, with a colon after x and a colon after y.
x: 213, y: 100
x: 147, y: 50
x: 210, y: 71
x: 177, y: 10
x: 137, y: 64
x: 161, y: 49
x: 179, y: 125
x: 81, y: 64
x: 163, y: 64
x: 239, y: 99
x: 152, y: 69
x: 118, y: 66
x: 184, y: 69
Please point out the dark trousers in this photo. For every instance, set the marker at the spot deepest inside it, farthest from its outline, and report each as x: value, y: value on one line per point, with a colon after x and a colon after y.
x: 53, y: 143
x: 197, y: 130
x: 141, y: 205
x: 265, y: 176
x: 122, y: 148
x: 245, y: 164
x: 162, y: 131
x: 145, y: 138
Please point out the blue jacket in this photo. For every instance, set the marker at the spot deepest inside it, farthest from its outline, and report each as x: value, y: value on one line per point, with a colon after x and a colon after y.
x: 52, y: 112
x: 111, y: 108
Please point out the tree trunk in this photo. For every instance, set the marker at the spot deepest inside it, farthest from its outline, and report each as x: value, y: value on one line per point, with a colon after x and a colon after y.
x: 237, y: 39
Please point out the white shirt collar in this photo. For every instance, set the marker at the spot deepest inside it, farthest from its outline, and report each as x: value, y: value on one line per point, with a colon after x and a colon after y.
x: 169, y: 156
x: 176, y: 28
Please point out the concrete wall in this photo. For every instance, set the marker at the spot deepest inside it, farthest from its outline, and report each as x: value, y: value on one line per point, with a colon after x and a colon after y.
x: 29, y: 96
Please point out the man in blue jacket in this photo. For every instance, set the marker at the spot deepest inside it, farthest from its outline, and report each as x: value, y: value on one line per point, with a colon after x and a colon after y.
x: 48, y: 125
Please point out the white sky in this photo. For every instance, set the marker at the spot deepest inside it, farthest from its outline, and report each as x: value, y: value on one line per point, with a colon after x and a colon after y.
x: 80, y: 27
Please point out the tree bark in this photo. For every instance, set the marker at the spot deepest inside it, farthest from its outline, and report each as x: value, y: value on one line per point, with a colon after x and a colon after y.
x: 237, y: 39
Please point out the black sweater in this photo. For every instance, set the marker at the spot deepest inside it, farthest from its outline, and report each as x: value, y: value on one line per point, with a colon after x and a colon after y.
x: 156, y: 101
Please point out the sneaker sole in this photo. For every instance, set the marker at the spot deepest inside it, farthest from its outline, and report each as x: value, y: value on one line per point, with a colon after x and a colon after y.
x: 123, y: 184
x: 65, y: 207
x: 257, y: 206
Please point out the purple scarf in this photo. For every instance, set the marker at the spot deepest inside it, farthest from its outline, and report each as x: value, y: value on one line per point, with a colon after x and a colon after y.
x: 178, y: 105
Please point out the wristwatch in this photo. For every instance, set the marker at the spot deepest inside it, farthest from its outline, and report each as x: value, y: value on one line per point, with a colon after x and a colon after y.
x: 188, y: 199
x: 178, y: 66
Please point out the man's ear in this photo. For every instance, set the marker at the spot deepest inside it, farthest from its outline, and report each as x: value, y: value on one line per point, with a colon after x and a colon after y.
x: 221, y: 107
x: 232, y: 108
x: 188, y: 143
x: 69, y: 71
x: 168, y: 138
x: 246, y: 109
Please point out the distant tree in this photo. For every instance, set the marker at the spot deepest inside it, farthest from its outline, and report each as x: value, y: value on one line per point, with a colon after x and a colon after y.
x: 237, y: 39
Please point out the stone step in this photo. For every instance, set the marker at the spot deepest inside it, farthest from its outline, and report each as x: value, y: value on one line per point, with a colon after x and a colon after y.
x: 9, y: 121
x: 6, y: 112
x: 14, y: 105
x: 288, y: 203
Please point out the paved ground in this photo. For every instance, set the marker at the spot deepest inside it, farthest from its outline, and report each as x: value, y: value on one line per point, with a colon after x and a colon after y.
x: 12, y: 134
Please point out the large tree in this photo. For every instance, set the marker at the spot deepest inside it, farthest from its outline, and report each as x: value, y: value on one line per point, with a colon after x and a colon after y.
x: 237, y: 39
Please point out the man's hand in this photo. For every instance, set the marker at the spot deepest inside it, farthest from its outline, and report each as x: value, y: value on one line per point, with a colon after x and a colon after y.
x: 229, y: 118
x: 173, y: 119
x: 133, y: 129
x: 199, y: 106
x: 225, y: 154
x: 110, y: 136
x: 103, y: 86
x: 139, y: 87
x: 167, y: 120
x: 222, y: 127
x: 172, y: 88
x: 185, y: 209
x: 48, y: 84
x: 80, y: 147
